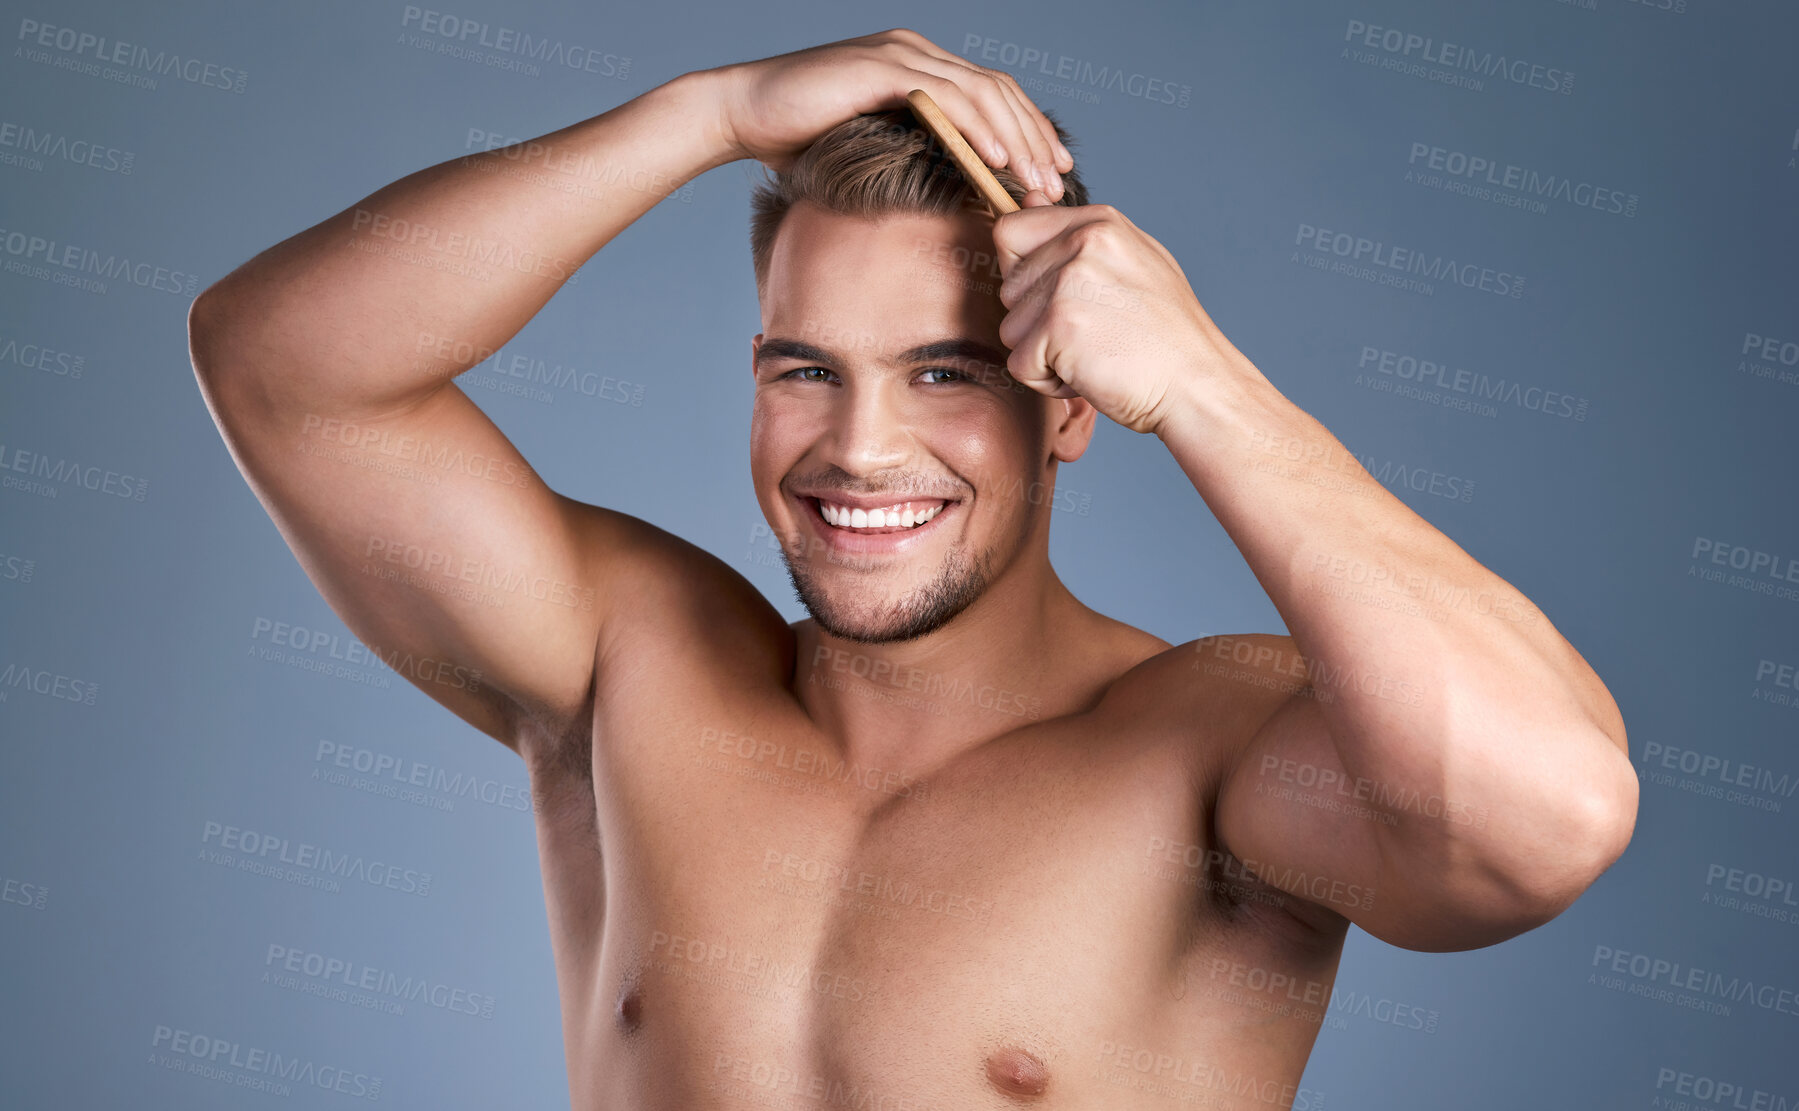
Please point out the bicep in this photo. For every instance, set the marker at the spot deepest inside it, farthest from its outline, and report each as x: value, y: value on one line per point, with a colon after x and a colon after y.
x: 1382, y: 854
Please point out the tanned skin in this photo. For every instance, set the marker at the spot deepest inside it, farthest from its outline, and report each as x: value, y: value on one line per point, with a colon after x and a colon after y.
x: 956, y: 840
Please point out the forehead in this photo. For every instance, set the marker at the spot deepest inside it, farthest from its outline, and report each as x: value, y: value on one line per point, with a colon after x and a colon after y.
x: 885, y: 280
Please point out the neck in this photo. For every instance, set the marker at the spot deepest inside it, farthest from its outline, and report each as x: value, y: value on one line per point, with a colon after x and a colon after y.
x: 913, y: 706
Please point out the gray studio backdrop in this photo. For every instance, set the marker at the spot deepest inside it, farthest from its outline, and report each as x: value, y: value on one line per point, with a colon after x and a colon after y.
x: 1533, y: 262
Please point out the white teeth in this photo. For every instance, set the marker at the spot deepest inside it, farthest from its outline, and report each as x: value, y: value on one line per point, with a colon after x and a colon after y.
x: 895, y: 516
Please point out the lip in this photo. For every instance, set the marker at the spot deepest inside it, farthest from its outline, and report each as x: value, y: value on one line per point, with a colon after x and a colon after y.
x: 897, y: 542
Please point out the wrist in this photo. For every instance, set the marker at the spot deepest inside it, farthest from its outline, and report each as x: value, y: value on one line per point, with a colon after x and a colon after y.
x: 703, y: 99
x: 1214, y: 406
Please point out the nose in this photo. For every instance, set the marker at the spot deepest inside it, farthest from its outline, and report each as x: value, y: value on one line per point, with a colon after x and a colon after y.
x: 870, y: 429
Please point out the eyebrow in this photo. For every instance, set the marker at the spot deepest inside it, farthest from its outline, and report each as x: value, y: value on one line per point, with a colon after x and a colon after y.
x: 773, y: 349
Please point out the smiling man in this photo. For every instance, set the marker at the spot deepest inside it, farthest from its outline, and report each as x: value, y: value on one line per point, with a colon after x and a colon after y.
x: 956, y: 840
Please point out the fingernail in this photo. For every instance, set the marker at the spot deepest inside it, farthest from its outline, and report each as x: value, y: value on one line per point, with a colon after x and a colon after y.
x: 1056, y: 180
x: 1064, y: 151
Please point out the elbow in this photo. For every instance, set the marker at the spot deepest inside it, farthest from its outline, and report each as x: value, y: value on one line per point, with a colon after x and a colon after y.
x: 205, y: 319
x: 1521, y: 873
x: 1593, y: 824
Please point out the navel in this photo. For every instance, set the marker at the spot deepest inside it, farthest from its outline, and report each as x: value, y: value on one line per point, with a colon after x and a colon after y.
x: 1015, y: 1072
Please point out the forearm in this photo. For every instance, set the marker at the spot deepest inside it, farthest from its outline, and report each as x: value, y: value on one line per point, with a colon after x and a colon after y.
x: 384, y: 302
x: 1434, y: 674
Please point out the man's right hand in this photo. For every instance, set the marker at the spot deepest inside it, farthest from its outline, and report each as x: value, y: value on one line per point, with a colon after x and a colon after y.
x: 772, y: 109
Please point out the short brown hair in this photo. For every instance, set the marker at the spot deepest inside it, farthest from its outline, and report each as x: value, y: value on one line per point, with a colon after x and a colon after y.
x: 876, y: 165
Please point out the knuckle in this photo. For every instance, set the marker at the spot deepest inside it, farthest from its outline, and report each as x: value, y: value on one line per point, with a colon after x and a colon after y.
x: 1095, y: 235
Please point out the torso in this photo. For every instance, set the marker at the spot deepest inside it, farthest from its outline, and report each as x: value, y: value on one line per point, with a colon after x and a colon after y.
x: 739, y: 920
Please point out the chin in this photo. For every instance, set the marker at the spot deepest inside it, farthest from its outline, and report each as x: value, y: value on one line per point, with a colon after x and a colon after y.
x: 915, y: 614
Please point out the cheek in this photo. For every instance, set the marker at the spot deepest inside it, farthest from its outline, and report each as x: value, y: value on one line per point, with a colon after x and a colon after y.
x: 991, y: 448
x: 778, y: 434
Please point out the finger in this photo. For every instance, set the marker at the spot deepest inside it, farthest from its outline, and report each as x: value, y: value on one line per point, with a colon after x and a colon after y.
x: 1033, y: 270
x: 1060, y: 158
x: 1043, y: 156
x: 1021, y: 320
x: 1017, y: 234
x: 978, y: 107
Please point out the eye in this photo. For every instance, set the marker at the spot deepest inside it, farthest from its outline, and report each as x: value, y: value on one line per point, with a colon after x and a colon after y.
x: 959, y: 376
x: 802, y: 372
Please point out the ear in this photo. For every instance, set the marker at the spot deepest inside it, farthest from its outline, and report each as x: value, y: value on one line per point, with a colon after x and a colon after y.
x: 755, y: 349
x: 1073, y: 430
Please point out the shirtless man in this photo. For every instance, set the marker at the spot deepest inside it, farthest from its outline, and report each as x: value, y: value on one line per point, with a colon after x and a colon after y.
x: 956, y: 841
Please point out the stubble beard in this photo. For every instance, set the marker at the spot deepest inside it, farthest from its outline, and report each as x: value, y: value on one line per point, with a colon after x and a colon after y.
x: 918, y: 613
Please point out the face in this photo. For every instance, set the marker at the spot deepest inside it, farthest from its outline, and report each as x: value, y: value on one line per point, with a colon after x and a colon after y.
x: 903, y: 469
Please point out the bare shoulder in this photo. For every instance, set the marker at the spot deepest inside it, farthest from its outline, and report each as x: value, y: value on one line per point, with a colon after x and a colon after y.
x: 675, y: 617
x: 1214, y: 692
x: 673, y: 601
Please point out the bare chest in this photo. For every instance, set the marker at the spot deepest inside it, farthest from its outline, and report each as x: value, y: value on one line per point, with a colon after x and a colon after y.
x: 788, y: 927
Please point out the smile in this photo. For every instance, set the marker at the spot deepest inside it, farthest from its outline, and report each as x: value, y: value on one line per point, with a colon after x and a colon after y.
x: 897, y: 517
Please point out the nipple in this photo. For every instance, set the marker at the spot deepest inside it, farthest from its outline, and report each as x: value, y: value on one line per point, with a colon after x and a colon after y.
x: 630, y: 1009
x: 1017, y: 1073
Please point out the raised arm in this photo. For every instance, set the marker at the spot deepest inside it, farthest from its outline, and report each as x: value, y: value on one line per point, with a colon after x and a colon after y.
x: 327, y: 362
x: 1426, y: 739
